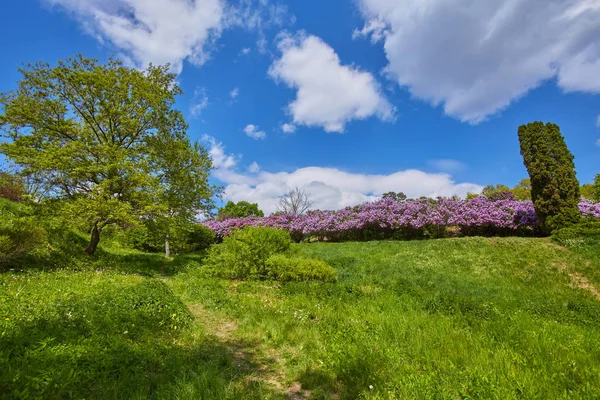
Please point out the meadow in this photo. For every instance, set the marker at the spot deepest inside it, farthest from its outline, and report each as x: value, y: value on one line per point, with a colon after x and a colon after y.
x: 474, y: 317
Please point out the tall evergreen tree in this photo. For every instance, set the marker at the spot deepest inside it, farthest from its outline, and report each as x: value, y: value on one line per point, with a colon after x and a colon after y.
x: 554, y: 186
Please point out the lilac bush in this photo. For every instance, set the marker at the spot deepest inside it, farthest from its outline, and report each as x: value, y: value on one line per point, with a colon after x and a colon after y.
x: 411, y: 219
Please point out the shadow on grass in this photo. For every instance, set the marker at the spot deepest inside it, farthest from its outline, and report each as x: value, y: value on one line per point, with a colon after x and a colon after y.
x: 124, y: 261
x: 61, y: 369
x: 119, y: 343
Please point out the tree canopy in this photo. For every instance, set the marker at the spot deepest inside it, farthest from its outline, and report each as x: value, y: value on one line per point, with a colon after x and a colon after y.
x: 107, y: 140
x: 241, y: 209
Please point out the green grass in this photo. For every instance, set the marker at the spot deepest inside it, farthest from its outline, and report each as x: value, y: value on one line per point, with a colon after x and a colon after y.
x: 498, y: 318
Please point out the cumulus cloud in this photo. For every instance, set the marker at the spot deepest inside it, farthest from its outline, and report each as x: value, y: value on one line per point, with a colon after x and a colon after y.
x: 169, y: 31
x: 254, y: 132
x: 476, y: 57
x: 328, y: 94
x: 253, y: 168
x: 288, y: 128
x: 447, y: 165
x: 234, y: 93
x: 329, y: 188
x: 157, y: 31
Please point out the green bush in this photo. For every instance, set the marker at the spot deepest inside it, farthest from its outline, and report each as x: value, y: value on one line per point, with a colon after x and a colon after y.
x: 188, y: 238
x: 580, y: 234
x: 20, y: 233
x: 200, y: 237
x: 244, y: 253
x: 283, y: 268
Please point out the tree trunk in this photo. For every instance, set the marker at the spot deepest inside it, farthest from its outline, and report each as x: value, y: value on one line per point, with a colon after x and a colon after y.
x: 167, y: 248
x: 94, y: 240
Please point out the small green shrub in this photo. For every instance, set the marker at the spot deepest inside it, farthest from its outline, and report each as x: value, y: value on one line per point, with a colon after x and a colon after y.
x: 244, y: 253
x: 20, y: 232
x: 579, y: 234
x: 283, y: 268
x: 200, y: 237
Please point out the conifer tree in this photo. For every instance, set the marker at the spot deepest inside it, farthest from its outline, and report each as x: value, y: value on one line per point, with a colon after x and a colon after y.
x: 554, y: 186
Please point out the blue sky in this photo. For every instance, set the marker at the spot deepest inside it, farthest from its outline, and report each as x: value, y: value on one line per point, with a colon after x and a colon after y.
x: 347, y: 99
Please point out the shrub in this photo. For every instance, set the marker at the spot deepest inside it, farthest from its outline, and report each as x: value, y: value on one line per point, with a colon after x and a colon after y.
x: 20, y: 233
x: 244, y: 253
x: 283, y: 268
x: 200, y: 237
x: 579, y: 234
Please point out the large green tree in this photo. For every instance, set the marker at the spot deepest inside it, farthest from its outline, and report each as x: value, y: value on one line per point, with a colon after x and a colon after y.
x: 554, y: 186
x: 241, y: 209
x: 90, y: 131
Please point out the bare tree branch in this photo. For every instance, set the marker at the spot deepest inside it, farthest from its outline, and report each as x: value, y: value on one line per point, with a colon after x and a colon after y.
x: 295, y: 202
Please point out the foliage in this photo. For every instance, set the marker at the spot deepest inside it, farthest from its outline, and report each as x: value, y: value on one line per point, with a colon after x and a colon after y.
x: 200, y: 237
x: 244, y: 253
x: 491, y: 190
x: 283, y: 268
x: 296, y: 202
x: 183, y: 191
x: 188, y: 237
x: 522, y: 190
x: 20, y: 233
x: 395, y: 196
x: 596, y: 188
x: 95, y: 133
x: 583, y: 233
x: 241, y: 209
x: 12, y: 187
x: 554, y: 186
x: 587, y: 192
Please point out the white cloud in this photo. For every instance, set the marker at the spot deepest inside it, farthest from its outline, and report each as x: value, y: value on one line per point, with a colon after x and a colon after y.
x: 199, y: 102
x: 253, y: 168
x: 288, y: 128
x: 234, y: 93
x: 254, y: 132
x: 329, y: 188
x: 476, y: 57
x: 328, y: 94
x: 170, y: 31
x: 598, y: 122
x: 447, y: 165
x: 598, y: 142
x: 375, y: 27
x: 224, y: 164
x: 157, y: 31
x: 245, y: 51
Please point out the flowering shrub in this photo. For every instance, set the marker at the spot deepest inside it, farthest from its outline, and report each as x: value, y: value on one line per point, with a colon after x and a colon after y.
x: 405, y: 220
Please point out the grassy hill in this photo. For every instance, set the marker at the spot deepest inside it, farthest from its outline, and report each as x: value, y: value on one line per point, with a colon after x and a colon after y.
x: 453, y: 318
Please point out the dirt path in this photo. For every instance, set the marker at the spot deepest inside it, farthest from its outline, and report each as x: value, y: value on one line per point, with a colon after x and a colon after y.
x: 578, y: 281
x: 266, y: 365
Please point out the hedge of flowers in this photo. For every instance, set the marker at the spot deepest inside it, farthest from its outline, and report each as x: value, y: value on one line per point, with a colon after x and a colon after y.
x: 406, y: 220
